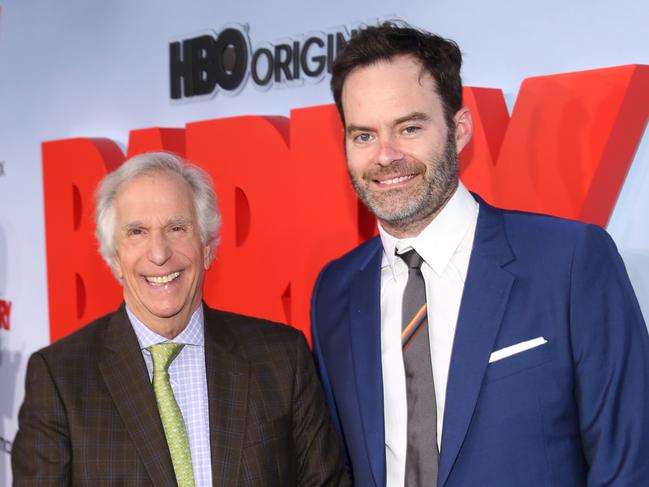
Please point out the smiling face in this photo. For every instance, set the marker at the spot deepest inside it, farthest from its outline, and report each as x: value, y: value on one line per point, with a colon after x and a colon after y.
x: 401, y: 155
x: 160, y: 258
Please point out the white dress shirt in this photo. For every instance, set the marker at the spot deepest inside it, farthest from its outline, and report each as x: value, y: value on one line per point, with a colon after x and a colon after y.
x: 188, y: 378
x: 445, y: 245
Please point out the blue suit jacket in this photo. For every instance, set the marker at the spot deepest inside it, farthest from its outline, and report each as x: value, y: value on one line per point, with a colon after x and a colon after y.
x: 571, y: 412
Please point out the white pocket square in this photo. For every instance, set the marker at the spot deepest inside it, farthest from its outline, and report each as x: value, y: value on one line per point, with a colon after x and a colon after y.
x: 517, y: 348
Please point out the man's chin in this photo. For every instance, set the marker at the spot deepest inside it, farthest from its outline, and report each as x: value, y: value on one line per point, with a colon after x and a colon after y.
x: 162, y: 313
x: 167, y: 313
x: 393, y: 215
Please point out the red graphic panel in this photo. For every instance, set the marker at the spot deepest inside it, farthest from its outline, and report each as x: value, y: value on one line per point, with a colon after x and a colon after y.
x: 286, y: 204
x: 80, y: 285
x: 567, y: 147
x: 249, y: 160
x: 156, y: 139
x: 288, y: 207
x: 5, y: 315
x: 327, y: 218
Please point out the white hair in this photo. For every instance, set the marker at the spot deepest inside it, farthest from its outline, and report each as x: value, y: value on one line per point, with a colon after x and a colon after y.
x: 209, y: 219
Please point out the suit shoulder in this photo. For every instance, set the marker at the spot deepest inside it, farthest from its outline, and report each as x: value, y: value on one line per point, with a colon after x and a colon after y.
x: 358, y: 255
x: 74, y: 354
x: 79, y: 340
x: 345, y: 266
x: 250, y: 331
x: 263, y: 343
x: 537, y: 229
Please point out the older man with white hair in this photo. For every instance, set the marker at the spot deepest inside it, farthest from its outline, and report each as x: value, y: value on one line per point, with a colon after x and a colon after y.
x: 166, y: 391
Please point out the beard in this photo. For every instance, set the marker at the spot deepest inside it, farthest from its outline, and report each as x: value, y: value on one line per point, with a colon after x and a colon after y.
x: 405, y: 206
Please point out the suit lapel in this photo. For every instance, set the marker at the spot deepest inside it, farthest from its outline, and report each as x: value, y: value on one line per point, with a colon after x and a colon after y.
x: 127, y: 380
x: 228, y: 377
x: 365, y: 330
x: 484, y: 301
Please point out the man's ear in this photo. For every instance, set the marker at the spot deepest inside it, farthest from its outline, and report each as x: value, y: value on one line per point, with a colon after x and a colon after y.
x: 117, y: 267
x: 463, y: 128
x: 208, y: 255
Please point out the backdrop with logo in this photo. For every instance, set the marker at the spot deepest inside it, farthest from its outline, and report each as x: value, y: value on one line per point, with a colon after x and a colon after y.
x: 559, y: 93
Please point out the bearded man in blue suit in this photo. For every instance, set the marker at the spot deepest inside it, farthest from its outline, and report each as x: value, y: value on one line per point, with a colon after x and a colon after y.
x: 531, y: 353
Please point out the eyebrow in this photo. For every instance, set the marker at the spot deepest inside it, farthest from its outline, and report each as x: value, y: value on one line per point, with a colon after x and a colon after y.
x: 132, y: 226
x: 411, y: 117
x: 356, y: 128
x: 178, y: 220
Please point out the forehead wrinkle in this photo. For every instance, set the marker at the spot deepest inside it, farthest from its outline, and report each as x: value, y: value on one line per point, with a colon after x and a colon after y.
x: 419, y: 75
x: 175, y: 220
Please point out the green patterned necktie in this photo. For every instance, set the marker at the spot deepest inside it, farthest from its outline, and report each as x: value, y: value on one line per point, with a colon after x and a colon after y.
x: 172, y: 419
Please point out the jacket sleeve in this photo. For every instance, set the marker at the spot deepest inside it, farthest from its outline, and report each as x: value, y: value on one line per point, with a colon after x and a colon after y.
x: 41, y: 452
x: 611, y: 358
x: 319, y: 460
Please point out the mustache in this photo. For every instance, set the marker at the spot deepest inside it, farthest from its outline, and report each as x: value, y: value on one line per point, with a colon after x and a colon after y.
x: 394, y: 169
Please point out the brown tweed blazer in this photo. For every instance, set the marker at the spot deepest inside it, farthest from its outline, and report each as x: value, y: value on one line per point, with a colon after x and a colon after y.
x: 89, y: 416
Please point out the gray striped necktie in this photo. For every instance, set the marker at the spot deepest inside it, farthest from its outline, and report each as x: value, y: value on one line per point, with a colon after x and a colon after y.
x: 422, y: 456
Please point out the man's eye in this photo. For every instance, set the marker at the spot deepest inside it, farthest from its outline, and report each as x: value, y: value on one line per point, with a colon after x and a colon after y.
x: 177, y: 228
x: 364, y: 137
x: 411, y: 130
x: 132, y: 232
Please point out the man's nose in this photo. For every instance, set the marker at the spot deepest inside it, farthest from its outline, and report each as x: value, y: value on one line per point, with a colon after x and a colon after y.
x: 159, y: 249
x: 389, y: 151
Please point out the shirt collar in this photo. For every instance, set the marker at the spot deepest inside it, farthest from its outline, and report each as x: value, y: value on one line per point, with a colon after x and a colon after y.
x: 440, y: 239
x: 193, y: 334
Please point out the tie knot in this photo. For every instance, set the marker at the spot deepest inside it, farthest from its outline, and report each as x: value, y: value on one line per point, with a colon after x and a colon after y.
x: 164, y: 353
x: 412, y: 259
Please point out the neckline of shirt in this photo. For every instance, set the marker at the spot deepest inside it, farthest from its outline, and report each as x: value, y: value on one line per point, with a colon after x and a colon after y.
x: 192, y: 335
x: 440, y: 239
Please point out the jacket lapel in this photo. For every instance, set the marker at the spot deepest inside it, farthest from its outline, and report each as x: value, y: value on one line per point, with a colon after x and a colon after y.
x: 127, y: 380
x: 484, y: 301
x: 228, y: 377
x: 365, y: 330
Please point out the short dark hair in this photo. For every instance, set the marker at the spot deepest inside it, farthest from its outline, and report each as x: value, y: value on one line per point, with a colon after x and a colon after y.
x: 440, y: 57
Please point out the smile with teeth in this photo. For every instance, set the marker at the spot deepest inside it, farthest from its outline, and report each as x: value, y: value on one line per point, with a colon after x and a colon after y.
x: 158, y: 280
x: 396, y: 180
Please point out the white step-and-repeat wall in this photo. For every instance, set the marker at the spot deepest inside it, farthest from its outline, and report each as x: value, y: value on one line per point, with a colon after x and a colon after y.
x: 102, y: 69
